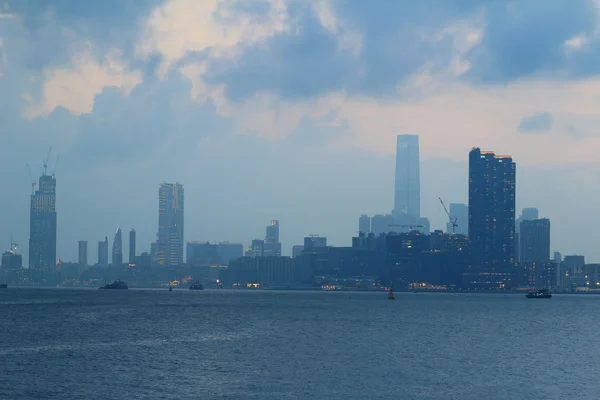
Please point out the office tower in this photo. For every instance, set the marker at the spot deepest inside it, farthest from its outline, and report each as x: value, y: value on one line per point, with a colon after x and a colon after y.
x: 557, y: 257
x: 169, y: 249
x: 527, y: 214
x: 535, y: 241
x: 311, y: 242
x: 42, y: 225
x: 103, y: 252
x: 364, y: 224
x: 272, y: 247
x: 201, y: 254
x: 228, y: 251
x: 459, y: 212
x: 82, y: 252
x: 132, y: 253
x: 407, y: 191
x: 117, y: 249
x: 257, y: 248
x: 297, y: 250
x: 492, y: 214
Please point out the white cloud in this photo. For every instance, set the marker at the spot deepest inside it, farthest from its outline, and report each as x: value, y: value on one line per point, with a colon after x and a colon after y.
x: 180, y: 27
x: 347, y: 39
x: 576, y: 42
x: 75, y: 88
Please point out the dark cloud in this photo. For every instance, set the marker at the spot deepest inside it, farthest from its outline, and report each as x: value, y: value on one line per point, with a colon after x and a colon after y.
x: 538, y: 122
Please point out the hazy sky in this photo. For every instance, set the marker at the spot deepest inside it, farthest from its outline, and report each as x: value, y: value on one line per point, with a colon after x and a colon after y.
x: 288, y: 110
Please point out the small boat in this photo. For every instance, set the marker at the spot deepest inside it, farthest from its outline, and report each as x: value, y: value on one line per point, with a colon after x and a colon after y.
x: 118, y: 284
x: 197, y: 286
x: 539, y: 294
x: 3, y: 285
x: 170, y: 288
x: 391, y: 294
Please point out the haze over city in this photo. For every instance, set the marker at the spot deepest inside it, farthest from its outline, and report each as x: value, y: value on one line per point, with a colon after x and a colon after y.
x: 289, y: 110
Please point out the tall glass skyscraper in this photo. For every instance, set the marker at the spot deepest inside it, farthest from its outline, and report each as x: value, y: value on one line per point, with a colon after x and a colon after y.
x: 272, y: 246
x: 42, y: 225
x: 117, y: 249
x: 407, y: 191
x: 492, y: 190
x: 169, y: 245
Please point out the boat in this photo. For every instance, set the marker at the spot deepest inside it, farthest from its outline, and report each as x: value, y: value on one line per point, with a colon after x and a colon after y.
x: 539, y: 294
x: 170, y: 288
x: 197, y: 286
x: 3, y: 285
x: 391, y: 294
x: 118, y: 284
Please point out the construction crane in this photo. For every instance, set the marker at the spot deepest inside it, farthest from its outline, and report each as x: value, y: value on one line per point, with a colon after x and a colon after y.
x: 45, y: 164
x: 55, y: 165
x: 32, y: 180
x: 452, y: 221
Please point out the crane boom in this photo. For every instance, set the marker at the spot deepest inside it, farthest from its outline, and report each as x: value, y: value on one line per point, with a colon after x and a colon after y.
x: 452, y: 221
x: 45, y: 164
x: 32, y: 180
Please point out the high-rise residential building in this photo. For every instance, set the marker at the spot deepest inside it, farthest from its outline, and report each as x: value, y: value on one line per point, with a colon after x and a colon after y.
x: 407, y: 191
x: 364, y: 224
x: 272, y: 246
x: 82, y: 253
x: 117, y: 249
x: 492, y: 215
x: 103, y: 252
x: 535, y: 241
x: 132, y: 253
x: 42, y: 225
x: 170, y: 225
x: 459, y: 212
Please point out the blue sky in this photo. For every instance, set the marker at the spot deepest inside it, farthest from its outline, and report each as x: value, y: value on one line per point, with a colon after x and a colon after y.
x: 283, y: 109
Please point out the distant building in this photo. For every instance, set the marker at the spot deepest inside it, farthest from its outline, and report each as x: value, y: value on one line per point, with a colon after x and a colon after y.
x: 407, y: 191
x: 228, y: 251
x: 424, y: 226
x: 103, y: 252
x: 258, y: 272
x: 491, y: 219
x: 272, y: 246
x: 117, y: 249
x: 42, y: 225
x: 145, y: 259
x: 11, y: 261
x: 574, y: 264
x: 82, y: 252
x: 297, y: 250
x: 382, y: 224
x: 459, y: 212
x: 364, y: 224
x: 154, y: 254
x: 202, y: 254
x: 311, y: 242
x: 170, y: 225
x: 535, y: 241
x: 132, y: 250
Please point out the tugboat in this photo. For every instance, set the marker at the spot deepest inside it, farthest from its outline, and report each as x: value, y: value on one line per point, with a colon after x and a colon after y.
x: 197, y: 286
x: 391, y: 294
x: 118, y: 284
x: 539, y: 294
x: 3, y: 285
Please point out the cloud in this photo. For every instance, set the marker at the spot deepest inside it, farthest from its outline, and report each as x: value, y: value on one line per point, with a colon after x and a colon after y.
x: 538, y: 122
x: 75, y: 88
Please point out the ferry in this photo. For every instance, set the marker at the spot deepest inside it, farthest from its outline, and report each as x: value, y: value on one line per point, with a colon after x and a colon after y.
x: 539, y: 294
x: 197, y: 286
x: 118, y: 284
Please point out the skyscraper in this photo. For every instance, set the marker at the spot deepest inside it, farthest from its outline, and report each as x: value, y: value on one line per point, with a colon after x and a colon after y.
x: 103, y: 252
x: 82, y: 252
x: 535, y: 241
x: 272, y: 246
x: 492, y: 215
x: 117, y: 249
x: 364, y: 224
x: 169, y: 249
x: 132, y: 256
x: 460, y: 213
x: 42, y: 225
x: 407, y: 191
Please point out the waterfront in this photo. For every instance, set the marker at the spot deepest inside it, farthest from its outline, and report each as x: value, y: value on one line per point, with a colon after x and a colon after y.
x: 73, y: 343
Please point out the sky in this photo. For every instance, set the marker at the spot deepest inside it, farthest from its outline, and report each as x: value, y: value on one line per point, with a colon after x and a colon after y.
x: 289, y: 110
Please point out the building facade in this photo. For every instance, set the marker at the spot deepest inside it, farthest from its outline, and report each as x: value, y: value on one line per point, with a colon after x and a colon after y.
x: 117, y: 248
x: 132, y: 250
x: 407, y: 190
x: 82, y: 253
x: 459, y: 212
x: 535, y: 241
x: 103, y: 252
x: 169, y: 245
x: 42, y: 225
x: 272, y: 246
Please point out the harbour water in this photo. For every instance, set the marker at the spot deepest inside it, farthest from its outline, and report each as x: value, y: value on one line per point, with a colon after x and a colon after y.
x: 90, y: 344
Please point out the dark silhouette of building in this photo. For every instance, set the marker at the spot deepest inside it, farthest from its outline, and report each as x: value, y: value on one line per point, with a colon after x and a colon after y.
x: 272, y: 246
x: 132, y: 250
x: 257, y: 248
x: 535, y: 241
x: 42, y: 225
x: 228, y: 251
x: 459, y: 212
x: 407, y: 191
x: 169, y: 247
x: 117, y: 249
x: 310, y: 242
x: 11, y: 261
x: 258, y: 272
x: 103, y: 252
x: 491, y: 219
x: 82, y: 253
x: 202, y: 254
